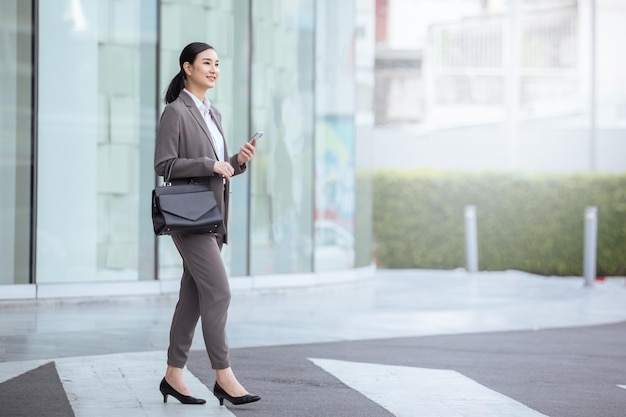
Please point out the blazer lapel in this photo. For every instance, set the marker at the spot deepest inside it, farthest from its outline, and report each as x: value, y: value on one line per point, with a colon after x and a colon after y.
x: 191, y: 106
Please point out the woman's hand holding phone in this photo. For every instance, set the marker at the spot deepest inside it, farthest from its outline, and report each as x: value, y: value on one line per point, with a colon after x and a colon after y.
x: 246, y: 152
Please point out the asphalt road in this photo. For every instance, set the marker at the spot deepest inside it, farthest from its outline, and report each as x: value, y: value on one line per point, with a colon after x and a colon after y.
x: 573, y: 372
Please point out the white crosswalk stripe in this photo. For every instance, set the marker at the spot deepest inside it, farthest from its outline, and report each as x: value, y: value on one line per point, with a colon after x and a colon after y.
x: 410, y: 392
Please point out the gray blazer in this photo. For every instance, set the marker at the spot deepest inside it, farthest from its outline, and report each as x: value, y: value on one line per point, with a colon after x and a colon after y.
x: 183, y: 134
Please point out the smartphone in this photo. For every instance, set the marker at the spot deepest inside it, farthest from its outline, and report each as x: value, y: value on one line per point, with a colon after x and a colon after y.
x: 257, y: 135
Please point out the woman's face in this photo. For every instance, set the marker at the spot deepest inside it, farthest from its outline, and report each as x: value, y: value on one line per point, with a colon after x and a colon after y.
x: 204, y: 71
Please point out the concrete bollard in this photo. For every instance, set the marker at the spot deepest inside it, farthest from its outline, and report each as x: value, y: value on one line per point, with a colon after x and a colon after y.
x: 471, y: 239
x: 591, y: 237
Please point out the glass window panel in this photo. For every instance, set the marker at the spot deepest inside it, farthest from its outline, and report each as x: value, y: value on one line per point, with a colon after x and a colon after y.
x: 97, y: 118
x: 334, y: 136
x: 222, y: 24
x: 282, y: 172
x: 15, y: 140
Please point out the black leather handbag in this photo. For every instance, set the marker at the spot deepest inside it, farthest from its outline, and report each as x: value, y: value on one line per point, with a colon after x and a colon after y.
x: 184, y: 209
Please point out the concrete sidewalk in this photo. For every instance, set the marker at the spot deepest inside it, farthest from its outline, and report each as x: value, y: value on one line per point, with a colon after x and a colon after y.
x: 327, y: 344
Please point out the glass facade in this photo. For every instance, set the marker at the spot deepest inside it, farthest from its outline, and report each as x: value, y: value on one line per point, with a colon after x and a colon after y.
x: 82, y: 113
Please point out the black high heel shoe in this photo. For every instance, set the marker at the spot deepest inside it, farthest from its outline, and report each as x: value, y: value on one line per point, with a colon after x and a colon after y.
x: 222, y: 395
x: 166, y: 389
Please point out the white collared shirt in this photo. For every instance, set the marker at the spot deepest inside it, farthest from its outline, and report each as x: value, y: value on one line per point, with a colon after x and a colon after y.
x: 204, y: 108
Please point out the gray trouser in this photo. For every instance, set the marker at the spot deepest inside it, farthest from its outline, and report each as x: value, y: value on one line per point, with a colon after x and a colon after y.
x: 205, y: 294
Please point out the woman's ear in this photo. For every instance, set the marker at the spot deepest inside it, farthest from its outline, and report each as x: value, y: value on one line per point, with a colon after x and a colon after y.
x: 187, y: 68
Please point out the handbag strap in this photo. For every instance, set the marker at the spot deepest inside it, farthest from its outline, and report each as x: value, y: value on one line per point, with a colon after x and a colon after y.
x: 168, y: 171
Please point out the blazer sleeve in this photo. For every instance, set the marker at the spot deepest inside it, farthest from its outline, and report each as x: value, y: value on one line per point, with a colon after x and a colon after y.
x: 239, y: 169
x: 167, y: 146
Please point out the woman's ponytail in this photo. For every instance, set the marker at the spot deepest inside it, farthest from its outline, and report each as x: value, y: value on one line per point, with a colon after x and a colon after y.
x: 176, y: 86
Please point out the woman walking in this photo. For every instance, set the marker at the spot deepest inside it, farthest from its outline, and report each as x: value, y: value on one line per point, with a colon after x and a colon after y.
x: 190, y: 132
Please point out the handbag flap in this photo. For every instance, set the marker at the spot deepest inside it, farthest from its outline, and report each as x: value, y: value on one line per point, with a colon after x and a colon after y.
x: 191, y: 207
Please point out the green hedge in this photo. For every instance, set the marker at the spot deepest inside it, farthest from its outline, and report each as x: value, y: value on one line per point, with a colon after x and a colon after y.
x: 533, y: 223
